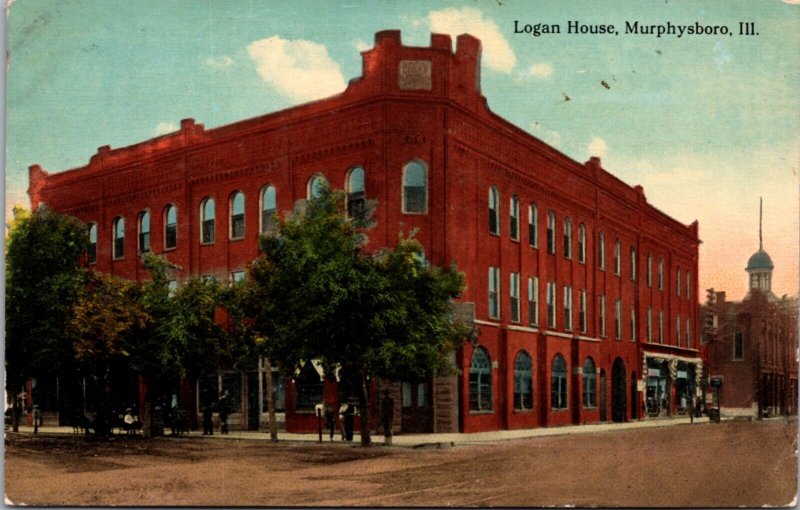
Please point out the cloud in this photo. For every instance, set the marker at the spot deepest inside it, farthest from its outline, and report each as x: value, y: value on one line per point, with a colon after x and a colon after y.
x: 598, y: 147
x: 543, y: 70
x: 495, y: 48
x: 297, y: 69
x: 218, y: 62
x: 362, y: 45
x: 162, y: 128
x: 546, y: 135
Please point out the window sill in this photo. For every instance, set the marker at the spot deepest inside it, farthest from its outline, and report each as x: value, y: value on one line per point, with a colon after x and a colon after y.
x: 471, y: 412
x: 515, y: 240
x: 117, y: 259
x: 415, y: 213
x: 170, y: 249
x: 207, y: 244
x: 496, y: 319
x: 559, y: 410
x: 523, y: 411
x: 590, y: 408
x: 236, y: 238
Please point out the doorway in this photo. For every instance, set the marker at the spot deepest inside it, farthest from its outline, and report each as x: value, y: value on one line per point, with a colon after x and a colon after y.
x: 619, y: 403
x: 417, y: 407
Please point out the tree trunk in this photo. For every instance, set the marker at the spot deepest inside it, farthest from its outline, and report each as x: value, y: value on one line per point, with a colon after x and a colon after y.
x: 363, y: 403
x: 273, y: 426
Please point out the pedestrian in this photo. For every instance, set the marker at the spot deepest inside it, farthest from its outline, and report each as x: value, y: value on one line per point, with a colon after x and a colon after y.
x: 683, y: 403
x: 349, y: 421
x: 223, y: 413
x: 342, y: 410
x: 330, y: 422
x: 387, y: 417
x: 691, y: 410
x: 208, y: 424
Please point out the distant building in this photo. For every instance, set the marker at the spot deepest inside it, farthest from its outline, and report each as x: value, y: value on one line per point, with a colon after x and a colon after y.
x: 753, y: 345
x: 583, y: 294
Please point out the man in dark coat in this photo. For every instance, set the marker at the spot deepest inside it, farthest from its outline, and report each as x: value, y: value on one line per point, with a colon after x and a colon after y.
x: 387, y: 416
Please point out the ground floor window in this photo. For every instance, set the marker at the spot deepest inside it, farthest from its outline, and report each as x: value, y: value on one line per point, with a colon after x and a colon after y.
x: 480, y: 381
x: 523, y: 390
x: 558, y: 383
x: 589, y: 384
x: 308, y: 388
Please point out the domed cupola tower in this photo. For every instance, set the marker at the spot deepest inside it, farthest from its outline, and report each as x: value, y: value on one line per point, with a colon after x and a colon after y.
x: 759, y: 266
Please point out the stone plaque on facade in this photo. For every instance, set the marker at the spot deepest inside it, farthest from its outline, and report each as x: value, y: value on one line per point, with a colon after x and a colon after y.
x: 414, y: 75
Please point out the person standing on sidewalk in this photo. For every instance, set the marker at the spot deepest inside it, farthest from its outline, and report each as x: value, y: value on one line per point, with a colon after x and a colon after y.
x: 330, y: 421
x: 387, y: 417
x: 223, y: 413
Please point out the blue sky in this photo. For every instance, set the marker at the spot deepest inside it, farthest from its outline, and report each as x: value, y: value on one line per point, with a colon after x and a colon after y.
x: 706, y: 124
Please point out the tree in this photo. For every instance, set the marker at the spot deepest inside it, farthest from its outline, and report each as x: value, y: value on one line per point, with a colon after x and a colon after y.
x: 323, y: 296
x: 44, y: 279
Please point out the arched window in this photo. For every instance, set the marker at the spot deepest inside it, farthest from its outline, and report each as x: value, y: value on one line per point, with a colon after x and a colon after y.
x: 118, y: 228
x: 144, y: 232
x: 170, y: 227
x: 551, y: 232
x: 91, y: 250
x: 514, y: 218
x: 601, y: 251
x: 533, y: 225
x: 558, y: 383
x: 589, y: 384
x: 494, y: 211
x: 237, y: 215
x: 568, y: 238
x: 207, y: 216
x: 480, y: 381
x: 415, y: 187
x: 523, y: 387
x: 355, y: 192
x: 316, y: 185
x: 582, y: 243
x: 269, y: 206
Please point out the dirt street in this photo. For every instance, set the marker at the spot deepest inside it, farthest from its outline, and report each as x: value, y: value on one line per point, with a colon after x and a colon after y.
x: 728, y: 465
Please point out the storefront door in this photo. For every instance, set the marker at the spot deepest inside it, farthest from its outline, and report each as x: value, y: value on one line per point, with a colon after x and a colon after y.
x: 417, y: 408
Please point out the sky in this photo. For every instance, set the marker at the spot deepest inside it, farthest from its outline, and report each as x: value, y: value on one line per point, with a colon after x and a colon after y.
x: 707, y: 124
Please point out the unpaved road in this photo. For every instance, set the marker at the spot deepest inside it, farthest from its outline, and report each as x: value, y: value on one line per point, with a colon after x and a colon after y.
x: 728, y: 465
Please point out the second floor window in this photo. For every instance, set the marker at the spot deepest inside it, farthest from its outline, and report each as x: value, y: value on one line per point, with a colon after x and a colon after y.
x: 551, y: 232
x: 513, y: 214
x: 170, y: 227
x: 618, y: 319
x: 316, y: 185
x: 494, y: 292
x: 269, y: 206
x: 602, y: 315
x: 582, y: 243
x: 91, y: 250
x: 118, y: 228
x: 355, y: 193
x: 678, y: 282
x: 649, y: 324
x: 633, y: 263
x: 617, y: 258
x: 494, y: 211
x: 514, y: 293
x: 633, y: 324
x: 415, y: 188
x: 660, y: 274
x: 207, y: 221
x: 568, y: 238
x: 688, y: 285
x: 144, y: 232
x: 568, y: 308
x: 533, y: 300
x: 661, y: 326
x: 601, y: 251
x: 237, y: 215
x: 582, y: 315
x: 551, y: 304
x: 649, y: 270
x: 533, y: 225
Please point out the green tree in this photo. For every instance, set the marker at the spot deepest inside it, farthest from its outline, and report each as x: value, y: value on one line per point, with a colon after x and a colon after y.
x: 323, y: 296
x: 44, y: 279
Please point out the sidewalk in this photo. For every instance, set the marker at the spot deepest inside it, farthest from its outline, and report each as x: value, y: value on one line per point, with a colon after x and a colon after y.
x: 430, y: 440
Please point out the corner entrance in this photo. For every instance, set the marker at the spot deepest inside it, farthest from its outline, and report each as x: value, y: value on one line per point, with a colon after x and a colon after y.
x: 619, y: 389
x: 417, y: 408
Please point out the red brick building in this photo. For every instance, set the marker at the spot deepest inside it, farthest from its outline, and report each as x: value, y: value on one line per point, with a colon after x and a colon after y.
x: 584, y: 295
x: 752, y: 346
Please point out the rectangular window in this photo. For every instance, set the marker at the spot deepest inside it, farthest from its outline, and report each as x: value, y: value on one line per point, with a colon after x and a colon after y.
x: 602, y: 315
x: 660, y: 274
x: 583, y: 310
x: 533, y: 300
x: 533, y: 225
x: 551, y: 232
x: 678, y: 330
x: 406, y: 394
x: 633, y: 324
x: 738, y: 345
x: 237, y: 276
x: 649, y: 271
x: 688, y: 333
x: 650, y: 324
x: 601, y: 252
x: 494, y: 292
x: 568, y: 308
x: 633, y: 263
x: 688, y: 286
x: 568, y: 238
x: 172, y: 285
x: 678, y: 282
x: 514, y: 218
x: 582, y: 244
x: 514, y: 292
x: 617, y: 259
x: 551, y: 304
x: 618, y: 319
x: 661, y: 326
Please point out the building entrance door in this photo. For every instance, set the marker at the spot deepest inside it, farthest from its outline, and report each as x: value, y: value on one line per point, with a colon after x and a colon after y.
x: 417, y: 408
x: 603, y: 412
x: 618, y: 391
